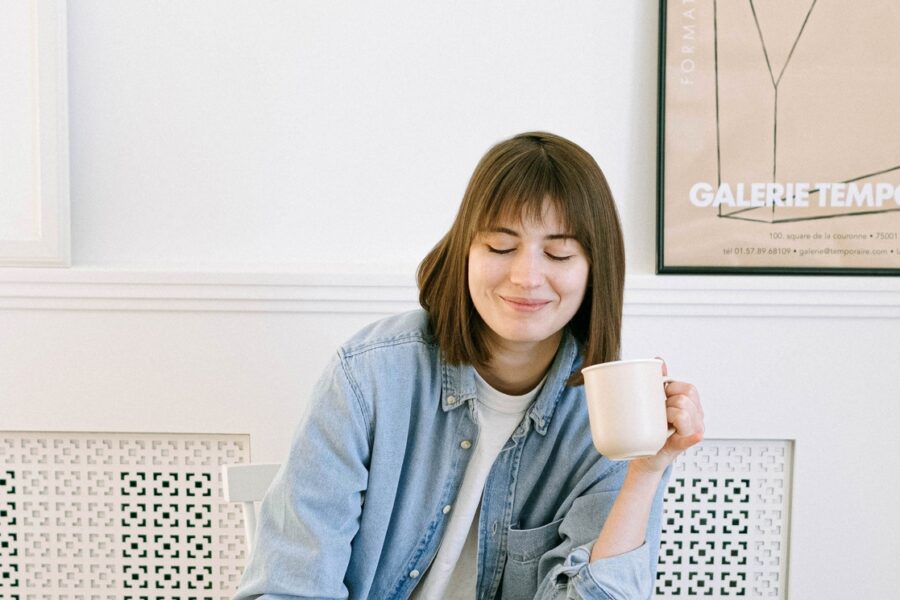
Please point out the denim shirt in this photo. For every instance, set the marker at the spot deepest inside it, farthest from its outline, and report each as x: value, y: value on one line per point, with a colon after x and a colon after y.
x: 360, y: 505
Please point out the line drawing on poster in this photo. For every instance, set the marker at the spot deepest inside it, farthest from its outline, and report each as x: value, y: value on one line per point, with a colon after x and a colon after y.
x: 766, y: 55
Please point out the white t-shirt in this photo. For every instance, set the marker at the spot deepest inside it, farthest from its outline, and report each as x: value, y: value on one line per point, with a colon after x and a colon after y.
x: 453, y: 571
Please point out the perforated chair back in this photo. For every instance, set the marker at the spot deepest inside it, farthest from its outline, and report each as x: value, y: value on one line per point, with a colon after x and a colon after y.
x: 247, y: 484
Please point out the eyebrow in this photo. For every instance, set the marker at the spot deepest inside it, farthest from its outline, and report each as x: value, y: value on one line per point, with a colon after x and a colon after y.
x: 552, y: 236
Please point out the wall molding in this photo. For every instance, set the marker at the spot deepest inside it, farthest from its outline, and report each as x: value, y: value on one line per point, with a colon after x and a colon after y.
x: 346, y: 290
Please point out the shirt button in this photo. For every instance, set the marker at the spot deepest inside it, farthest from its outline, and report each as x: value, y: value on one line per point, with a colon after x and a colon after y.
x: 446, y: 509
x: 451, y: 399
x: 465, y: 444
x: 414, y: 573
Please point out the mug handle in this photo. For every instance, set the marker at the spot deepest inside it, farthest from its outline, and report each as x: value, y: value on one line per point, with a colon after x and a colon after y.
x: 667, y: 380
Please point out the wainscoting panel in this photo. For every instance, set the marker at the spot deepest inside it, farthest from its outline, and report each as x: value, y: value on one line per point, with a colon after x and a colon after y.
x: 100, y: 516
x: 727, y: 520
x: 112, y: 516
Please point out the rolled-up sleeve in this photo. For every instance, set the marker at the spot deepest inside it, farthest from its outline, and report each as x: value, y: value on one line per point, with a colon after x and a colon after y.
x: 627, y: 576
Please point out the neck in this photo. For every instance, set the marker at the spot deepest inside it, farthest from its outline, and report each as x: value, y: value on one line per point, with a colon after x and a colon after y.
x: 516, y: 369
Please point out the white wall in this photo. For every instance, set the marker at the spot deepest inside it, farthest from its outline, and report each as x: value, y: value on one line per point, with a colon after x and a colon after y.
x: 271, y: 134
x: 253, y: 181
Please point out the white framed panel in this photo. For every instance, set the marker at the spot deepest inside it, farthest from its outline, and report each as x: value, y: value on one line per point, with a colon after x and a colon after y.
x: 34, y: 154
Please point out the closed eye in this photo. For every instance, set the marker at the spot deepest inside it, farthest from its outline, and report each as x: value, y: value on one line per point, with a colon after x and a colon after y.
x: 500, y: 250
x: 558, y: 258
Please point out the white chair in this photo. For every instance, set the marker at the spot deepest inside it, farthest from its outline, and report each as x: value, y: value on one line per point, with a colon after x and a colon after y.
x: 247, y: 484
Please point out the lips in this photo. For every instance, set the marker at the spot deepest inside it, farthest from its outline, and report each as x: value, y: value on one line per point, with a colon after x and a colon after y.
x: 524, y: 304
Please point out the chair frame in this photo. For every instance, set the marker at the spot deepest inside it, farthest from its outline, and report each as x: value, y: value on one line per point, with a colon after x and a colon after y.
x: 247, y: 484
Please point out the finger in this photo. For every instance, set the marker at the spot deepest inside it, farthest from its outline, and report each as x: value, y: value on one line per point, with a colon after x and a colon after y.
x: 682, y: 387
x: 681, y: 401
x: 681, y: 440
x: 686, y: 406
x: 689, y: 391
x: 698, y: 406
x: 681, y: 443
x: 681, y: 419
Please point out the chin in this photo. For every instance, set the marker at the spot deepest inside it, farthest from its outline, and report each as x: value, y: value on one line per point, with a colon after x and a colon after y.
x: 525, y: 335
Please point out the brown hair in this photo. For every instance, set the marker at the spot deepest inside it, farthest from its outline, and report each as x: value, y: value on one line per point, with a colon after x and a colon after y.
x: 515, y: 177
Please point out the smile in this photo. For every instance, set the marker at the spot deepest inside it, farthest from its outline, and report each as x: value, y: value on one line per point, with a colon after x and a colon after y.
x: 524, y: 304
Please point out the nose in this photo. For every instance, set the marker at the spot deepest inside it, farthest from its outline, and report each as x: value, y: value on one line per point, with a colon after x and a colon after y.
x: 526, y: 270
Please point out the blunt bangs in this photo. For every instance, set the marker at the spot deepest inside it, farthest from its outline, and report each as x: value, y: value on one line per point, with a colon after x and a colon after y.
x: 523, y: 190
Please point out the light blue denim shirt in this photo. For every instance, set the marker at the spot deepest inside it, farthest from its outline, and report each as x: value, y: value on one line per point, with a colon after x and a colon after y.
x: 360, y: 505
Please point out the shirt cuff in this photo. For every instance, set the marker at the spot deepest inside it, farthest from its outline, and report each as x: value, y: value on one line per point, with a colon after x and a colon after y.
x: 622, y: 576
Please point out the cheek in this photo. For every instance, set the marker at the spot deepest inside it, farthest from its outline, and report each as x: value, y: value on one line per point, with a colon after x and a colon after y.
x: 478, y: 280
x: 482, y: 272
x: 576, y: 284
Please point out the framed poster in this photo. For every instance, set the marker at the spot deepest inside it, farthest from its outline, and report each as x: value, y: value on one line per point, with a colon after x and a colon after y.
x: 779, y: 137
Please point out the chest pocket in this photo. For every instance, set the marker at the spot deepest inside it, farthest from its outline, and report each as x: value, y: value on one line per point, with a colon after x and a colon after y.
x: 526, y: 547
x: 524, y: 550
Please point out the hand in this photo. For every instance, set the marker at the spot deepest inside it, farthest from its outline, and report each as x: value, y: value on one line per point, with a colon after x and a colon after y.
x: 685, y: 414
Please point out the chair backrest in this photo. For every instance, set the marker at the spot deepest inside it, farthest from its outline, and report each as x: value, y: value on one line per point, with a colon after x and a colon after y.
x: 247, y: 484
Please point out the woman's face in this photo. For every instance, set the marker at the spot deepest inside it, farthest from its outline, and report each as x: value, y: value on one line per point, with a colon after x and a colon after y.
x: 527, y: 279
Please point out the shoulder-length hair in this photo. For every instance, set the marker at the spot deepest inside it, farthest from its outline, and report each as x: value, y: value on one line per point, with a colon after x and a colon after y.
x: 514, y: 179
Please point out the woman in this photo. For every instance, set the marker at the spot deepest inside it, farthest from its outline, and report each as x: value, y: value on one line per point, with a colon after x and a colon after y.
x: 447, y: 451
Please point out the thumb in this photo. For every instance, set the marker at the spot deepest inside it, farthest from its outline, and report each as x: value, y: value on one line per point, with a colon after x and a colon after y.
x: 665, y: 368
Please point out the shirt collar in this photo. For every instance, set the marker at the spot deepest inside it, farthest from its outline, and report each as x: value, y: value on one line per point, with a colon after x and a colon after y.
x: 459, y: 384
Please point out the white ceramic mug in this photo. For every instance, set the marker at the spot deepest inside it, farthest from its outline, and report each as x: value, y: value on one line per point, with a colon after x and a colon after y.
x: 626, y: 402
